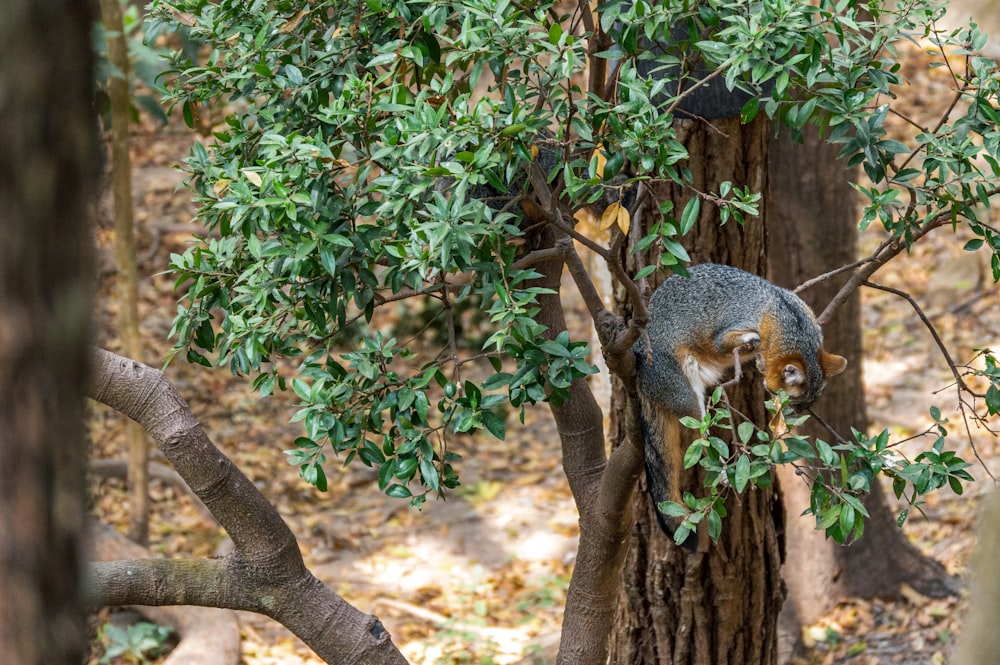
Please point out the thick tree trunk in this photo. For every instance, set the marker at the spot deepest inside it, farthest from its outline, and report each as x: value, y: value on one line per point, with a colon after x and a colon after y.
x: 812, y: 223
x: 718, y: 605
x: 48, y: 161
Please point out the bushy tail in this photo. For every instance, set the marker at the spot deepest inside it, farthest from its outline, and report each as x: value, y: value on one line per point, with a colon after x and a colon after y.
x: 664, y: 460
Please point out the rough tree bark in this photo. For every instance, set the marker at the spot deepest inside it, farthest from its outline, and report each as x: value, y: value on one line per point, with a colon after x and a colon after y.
x: 265, y: 573
x: 601, y: 485
x: 812, y: 223
x: 718, y: 605
x: 48, y: 164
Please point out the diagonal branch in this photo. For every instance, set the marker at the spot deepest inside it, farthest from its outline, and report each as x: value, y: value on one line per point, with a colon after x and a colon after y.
x: 960, y: 383
x: 147, y: 397
x: 885, y: 252
x: 265, y: 573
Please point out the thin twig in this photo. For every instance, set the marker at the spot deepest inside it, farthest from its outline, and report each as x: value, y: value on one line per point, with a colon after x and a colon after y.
x: 960, y: 384
x: 930, y: 328
x: 828, y: 427
x: 819, y: 279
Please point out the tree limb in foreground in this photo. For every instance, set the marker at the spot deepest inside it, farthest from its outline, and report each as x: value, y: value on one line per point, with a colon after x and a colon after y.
x: 265, y: 573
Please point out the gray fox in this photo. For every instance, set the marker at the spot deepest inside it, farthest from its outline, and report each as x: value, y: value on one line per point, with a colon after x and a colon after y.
x: 700, y: 327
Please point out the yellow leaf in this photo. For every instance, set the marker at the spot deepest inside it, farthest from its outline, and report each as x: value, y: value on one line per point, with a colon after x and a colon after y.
x: 610, y: 215
x: 624, y: 219
x: 618, y: 214
x: 777, y: 425
x: 183, y: 17
x: 221, y: 185
x: 599, y: 160
x: 253, y: 177
x: 293, y: 22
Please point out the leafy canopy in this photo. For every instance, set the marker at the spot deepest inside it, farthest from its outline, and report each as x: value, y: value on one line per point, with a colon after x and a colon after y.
x: 373, y: 152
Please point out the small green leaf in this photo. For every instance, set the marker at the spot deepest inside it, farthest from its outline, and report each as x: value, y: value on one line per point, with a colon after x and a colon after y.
x: 512, y: 130
x: 828, y: 517
x: 494, y: 423
x: 187, y: 111
x: 745, y: 431
x: 672, y: 509
x: 714, y: 525
x: 555, y: 32
x: 690, y: 215
x: 742, y: 473
x: 397, y: 491
x: 693, y: 454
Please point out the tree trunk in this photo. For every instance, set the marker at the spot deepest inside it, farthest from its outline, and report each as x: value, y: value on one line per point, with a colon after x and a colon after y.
x: 128, y: 277
x: 812, y: 222
x: 47, y: 168
x: 718, y: 605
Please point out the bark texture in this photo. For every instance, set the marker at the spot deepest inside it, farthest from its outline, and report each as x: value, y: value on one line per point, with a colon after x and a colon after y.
x: 601, y: 486
x: 719, y: 605
x: 265, y: 573
x: 48, y: 162
x: 813, y: 215
x: 208, y: 636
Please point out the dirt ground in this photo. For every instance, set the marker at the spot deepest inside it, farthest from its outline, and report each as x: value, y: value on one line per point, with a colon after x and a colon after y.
x: 481, y: 577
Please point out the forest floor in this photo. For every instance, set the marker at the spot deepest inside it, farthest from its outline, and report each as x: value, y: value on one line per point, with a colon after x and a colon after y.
x: 481, y: 577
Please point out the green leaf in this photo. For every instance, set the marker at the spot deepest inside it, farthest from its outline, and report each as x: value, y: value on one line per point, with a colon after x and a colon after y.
x: 694, y: 453
x: 800, y: 447
x: 714, y: 525
x: 993, y: 399
x: 690, y: 423
x: 429, y: 473
x: 555, y: 32
x: 690, y: 215
x: 320, y: 478
x: 672, y: 509
x: 397, y: 491
x: 745, y: 431
x: 742, y: 473
x: 681, y: 533
x: 829, y: 517
x: 187, y: 112
x: 494, y: 423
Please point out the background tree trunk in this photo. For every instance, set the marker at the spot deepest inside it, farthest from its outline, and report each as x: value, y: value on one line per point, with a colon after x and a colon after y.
x: 128, y: 277
x: 720, y: 604
x: 47, y: 167
x: 812, y: 216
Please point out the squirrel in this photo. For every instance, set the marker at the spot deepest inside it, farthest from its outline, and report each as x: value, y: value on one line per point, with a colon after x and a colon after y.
x: 701, y: 326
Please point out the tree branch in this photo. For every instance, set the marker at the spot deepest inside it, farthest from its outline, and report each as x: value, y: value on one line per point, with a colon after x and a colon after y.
x: 882, y: 255
x: 265, y: 573
x: 960, y: 383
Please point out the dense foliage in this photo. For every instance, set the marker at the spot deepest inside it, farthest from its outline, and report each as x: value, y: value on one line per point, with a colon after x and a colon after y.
x: 373, y: 152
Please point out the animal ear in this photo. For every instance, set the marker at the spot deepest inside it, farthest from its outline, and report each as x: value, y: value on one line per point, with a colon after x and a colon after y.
x: 793, y: 375
x: 831, y: 363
